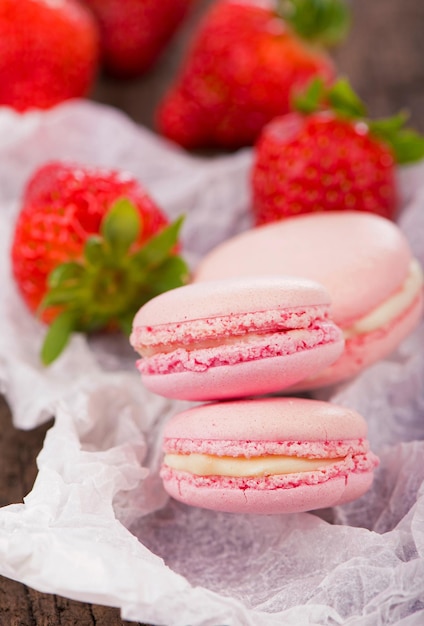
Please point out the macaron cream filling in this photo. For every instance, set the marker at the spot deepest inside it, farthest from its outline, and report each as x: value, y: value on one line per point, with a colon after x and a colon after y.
x: 199, y: 344
x: 269, y: 471
x: 198, y: 333
x: 258, y: 459
x: 209, y: 465
x: 392, y: 307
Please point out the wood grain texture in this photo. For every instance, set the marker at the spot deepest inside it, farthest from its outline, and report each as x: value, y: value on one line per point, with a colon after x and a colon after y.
x: 384, y: 59
x: 20, y: 605
x: 384, y: 56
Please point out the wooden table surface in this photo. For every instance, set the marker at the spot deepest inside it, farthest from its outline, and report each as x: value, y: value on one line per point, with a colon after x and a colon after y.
x: 384, y: 59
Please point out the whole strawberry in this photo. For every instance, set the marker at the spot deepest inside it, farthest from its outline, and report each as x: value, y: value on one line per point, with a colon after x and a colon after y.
x: 48, y: 52
x: 89, y: 248
x: 134, y: 33
x: 328, y: 157
x: 245, y: 59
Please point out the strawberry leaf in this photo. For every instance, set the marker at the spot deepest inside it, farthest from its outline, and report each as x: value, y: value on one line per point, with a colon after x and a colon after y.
x: 113, y: 279
x: 92, y: 322
x: 57, y: 337
x: 64, y: 273
x: 344, y: 101
x: 309, y: 100
x: 121, y: 226
x: 158, y: 248
x: 407, y: 145
x: 389, y: 125
x: 125, y: 323
x: 62, y: 295
x: 323, y: 21
x: 339, y: 98
x: 94, y: 250
x: 172, y: 273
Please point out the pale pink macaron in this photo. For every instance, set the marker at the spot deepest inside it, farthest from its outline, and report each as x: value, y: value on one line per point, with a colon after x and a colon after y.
x: 365, y: 262
x: 234, y: 338
x: 267, y: 455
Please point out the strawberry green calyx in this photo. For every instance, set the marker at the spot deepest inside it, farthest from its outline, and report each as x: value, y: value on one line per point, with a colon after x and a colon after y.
x: 339, y: 98
x: 407, y: 145
x: 113, y: 280
x: 323, y: 21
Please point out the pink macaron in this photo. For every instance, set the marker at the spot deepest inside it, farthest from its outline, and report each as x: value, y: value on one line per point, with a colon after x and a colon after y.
x: 234, y: 338
x: 267, y: 455
x: 364, y: 261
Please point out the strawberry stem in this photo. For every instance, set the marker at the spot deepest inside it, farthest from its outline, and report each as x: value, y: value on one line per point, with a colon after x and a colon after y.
x: 323, y: 21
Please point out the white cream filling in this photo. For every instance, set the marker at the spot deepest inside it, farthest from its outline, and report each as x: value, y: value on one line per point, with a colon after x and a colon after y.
x: 238, y: 467
x: 392, y: 307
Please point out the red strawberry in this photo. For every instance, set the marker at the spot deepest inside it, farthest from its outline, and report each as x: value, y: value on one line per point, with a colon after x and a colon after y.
x: 135, y: 32
x: 89, y: 248
x: 328, y: 157
x: 242, y: 65
x: 48, y: 52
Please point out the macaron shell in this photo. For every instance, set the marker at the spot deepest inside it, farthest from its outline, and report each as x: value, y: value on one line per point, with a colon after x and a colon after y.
x: 268, y: 419
x: 333, y: 492
x: 319, y: 428
x: 362, y: 351
x: 362, y: 259
x: 267, y: 375
x: 230, y: 297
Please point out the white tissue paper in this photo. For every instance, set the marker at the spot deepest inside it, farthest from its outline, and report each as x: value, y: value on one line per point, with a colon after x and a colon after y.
x: 98, y: 526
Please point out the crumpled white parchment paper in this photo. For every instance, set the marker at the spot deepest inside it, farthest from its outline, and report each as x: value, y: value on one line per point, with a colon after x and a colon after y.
x: 97, y: 525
